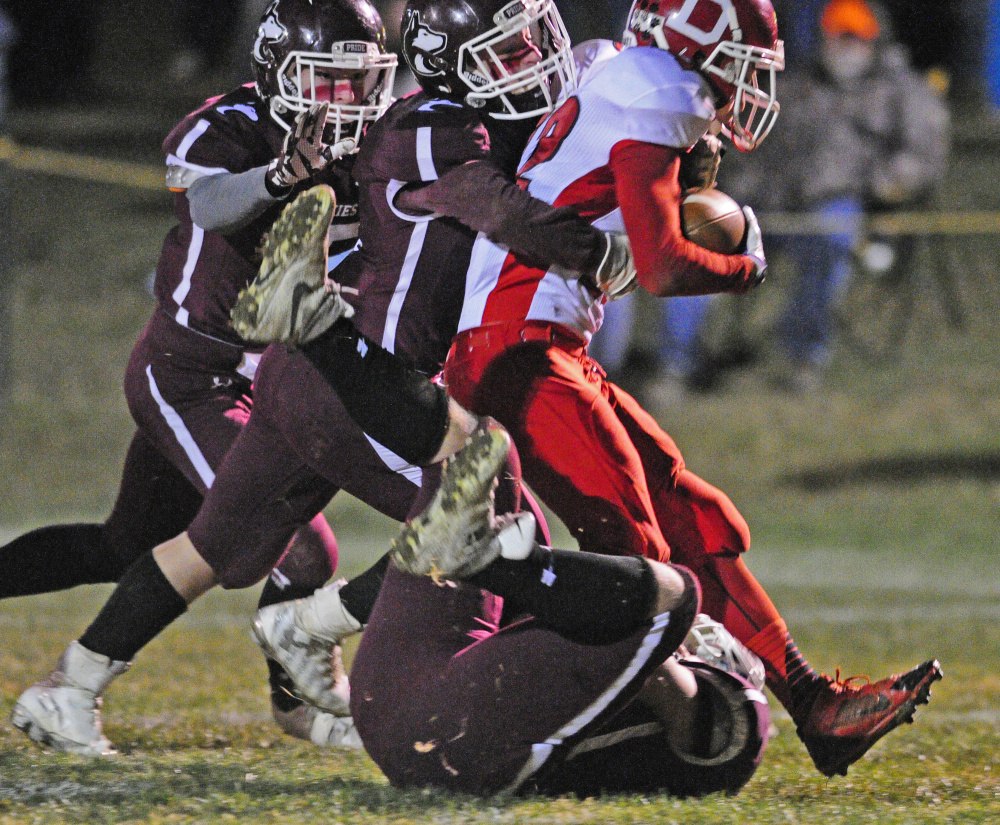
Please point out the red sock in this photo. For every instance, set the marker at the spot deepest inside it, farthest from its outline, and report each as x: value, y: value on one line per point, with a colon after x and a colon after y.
x: 733, y: 596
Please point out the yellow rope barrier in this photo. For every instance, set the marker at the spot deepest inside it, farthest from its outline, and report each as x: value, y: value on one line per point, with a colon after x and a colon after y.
x: 140, y: 176
x: 896, y: 223
x: 81, y: 167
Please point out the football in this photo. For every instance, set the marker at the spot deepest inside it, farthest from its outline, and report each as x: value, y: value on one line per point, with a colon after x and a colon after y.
x: 712, y: 219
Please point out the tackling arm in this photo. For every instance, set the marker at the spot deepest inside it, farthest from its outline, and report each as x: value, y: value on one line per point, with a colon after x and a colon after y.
x: 484, y: 199
x: 667, y: 263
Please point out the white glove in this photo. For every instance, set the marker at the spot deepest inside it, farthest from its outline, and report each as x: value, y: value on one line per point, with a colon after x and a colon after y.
x: 615, y: 275
x: 755, y: 248
x: 304, y: 153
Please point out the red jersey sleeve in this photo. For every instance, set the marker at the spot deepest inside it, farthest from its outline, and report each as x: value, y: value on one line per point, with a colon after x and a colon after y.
x: 667, y: 263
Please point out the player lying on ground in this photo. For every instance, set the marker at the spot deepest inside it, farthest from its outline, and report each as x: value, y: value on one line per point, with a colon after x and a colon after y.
x: 583, y: 697
x: 613, y: 151
x: 232, y: 165
x: 300, y: 445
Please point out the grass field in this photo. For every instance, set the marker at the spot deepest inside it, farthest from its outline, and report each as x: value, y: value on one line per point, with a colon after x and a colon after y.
x: 874, y: 503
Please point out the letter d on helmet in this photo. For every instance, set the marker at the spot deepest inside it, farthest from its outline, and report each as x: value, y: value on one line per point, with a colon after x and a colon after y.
x: 734, y: 45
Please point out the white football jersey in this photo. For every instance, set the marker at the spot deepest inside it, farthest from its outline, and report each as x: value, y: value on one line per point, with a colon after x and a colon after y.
x: 640, y: 94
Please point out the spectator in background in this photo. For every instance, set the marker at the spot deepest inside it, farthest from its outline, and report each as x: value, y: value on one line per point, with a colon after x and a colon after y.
x: 652, y: 348
x: 859, y: 131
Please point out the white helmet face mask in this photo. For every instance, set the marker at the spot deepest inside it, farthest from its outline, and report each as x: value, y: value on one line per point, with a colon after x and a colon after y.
x: 751, y: 70
x: 537, y: 25
x: 712, y: 643
x: 370, y: 71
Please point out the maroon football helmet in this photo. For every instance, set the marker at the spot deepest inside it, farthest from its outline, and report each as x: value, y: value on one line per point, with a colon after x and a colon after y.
x: 455, y: 49
x: 733, y: 43
x: 740, y: 725
x: 299, y: 38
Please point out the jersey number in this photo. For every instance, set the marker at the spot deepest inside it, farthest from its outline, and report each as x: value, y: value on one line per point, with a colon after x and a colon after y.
x: 554, y: 131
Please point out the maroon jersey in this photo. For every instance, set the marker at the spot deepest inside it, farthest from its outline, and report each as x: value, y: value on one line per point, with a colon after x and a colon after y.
x: 200, y: 273
x: 414, y: 267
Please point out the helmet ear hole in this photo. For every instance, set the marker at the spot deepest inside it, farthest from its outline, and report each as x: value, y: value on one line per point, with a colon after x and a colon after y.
x: 732, y: 723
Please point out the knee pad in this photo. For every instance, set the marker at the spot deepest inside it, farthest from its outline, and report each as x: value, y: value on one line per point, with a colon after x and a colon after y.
x: 311, y: 556
x: 395, y: 404
x: 699, y: 519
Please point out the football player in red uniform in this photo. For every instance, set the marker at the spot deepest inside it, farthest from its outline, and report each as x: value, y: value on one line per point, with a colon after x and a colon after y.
x: 322, y: 75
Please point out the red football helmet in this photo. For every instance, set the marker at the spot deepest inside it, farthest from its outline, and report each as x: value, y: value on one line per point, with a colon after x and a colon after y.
x: 733, y: 43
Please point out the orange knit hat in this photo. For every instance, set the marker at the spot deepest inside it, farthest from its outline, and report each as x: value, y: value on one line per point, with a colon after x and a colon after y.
x: 849, y: 17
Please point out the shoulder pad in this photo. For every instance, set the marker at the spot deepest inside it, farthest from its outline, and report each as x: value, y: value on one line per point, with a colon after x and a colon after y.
x: 591, y: 54
x: 659, y: 102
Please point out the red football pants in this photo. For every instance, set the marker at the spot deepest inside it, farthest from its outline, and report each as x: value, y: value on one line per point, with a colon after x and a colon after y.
x: 607, y: 469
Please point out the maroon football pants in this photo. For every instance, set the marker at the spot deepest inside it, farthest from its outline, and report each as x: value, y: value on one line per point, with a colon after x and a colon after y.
x: 442, y: 698
x: 190, y: 403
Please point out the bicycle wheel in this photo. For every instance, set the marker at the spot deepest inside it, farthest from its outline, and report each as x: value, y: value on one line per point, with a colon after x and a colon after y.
x: 874, y: 311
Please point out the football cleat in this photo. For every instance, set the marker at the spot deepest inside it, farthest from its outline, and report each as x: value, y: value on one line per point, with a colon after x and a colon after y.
x: 844, y: 719
x: 456, y: 535
x: 319, y: 727
x: 303, y: 636
x: 62, y: 712
x: 291, y: 300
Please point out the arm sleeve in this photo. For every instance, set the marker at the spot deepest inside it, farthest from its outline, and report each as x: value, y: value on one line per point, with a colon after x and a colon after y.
x: 227, y: 202
x: 480, y: 196
x: 667, y: 263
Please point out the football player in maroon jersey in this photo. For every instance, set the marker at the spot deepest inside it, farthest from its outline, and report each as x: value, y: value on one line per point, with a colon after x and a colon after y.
x: 322, y: 75
x: 694, y: 65
x: 300, y: 445
x: 583, y: 696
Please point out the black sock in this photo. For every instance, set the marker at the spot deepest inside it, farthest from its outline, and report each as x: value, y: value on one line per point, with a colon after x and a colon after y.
x: 282, y: 687
x: 55, y: 558
x: 360, y: 593
x: 274, y: 593
x: 585, y: 597
x: 141, y: 606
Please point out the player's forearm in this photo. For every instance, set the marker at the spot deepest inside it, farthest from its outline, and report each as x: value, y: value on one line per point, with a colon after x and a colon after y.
x: 481, y: 197
x: 667, y: 263
x: 227, y: 202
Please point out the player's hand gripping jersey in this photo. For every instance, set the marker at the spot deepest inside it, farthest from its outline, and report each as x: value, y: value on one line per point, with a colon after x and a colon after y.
x: 611, y: 152
x: 200, y: 272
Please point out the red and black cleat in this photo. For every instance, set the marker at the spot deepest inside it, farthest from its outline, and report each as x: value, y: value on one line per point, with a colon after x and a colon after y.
x: 845, y: 719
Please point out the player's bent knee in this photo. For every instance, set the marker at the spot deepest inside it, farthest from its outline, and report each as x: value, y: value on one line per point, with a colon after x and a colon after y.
x: 723, y: 529
x: 312, y: 553
x: 243, y: 560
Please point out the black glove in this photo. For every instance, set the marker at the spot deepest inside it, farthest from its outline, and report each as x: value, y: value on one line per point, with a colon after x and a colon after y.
x: 303, y: 153
x: 700, y: 164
